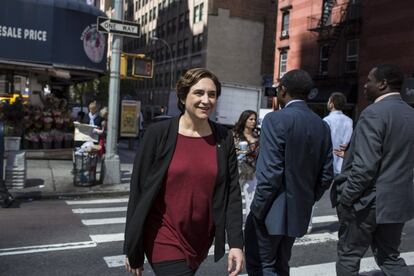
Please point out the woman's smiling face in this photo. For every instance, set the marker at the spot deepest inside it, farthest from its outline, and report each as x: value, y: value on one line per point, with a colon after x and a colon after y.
x: 201, y: 99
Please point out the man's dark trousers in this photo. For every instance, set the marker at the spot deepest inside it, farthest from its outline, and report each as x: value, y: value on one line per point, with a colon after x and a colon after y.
x: 275, y: 251
x: 359, y: 229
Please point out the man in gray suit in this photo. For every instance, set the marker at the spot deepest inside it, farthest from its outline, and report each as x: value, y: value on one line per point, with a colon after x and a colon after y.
x: 374, y: 192
x: 294, y: 168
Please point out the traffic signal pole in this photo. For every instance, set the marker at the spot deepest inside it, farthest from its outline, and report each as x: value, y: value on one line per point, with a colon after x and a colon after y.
x: 111, y: 165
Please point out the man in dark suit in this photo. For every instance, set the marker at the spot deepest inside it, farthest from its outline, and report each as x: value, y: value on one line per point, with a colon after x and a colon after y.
x: 294, y: 168
x: 374, y: 192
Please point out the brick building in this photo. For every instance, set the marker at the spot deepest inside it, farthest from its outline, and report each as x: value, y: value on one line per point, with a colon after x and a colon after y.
x: 338, y: 42
x: 232, y: 38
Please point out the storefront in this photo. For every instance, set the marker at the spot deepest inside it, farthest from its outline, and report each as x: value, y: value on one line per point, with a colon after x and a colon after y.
x: 46, y: 46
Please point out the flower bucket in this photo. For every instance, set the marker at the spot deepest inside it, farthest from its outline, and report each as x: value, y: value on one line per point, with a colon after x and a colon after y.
x: 47, y: 144
x: 12, y: 143
x: 35, y: 145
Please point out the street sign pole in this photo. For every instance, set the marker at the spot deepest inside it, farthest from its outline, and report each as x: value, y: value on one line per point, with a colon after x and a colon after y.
x: 111, y: 164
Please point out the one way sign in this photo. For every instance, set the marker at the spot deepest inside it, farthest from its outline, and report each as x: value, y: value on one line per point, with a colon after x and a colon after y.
x: 125, y: 28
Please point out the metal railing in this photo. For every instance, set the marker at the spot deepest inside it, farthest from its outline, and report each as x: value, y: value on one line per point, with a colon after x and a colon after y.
x: 340, y: 14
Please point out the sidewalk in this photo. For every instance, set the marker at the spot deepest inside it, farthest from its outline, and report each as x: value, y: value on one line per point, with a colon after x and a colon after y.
x: 54, y: 178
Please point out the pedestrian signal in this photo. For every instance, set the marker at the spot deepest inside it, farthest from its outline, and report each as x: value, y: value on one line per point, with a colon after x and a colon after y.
x: 142, y: 67
x: 136, y: 66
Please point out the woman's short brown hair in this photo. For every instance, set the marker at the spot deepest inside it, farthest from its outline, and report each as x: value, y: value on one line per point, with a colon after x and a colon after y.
x: 190, y: 78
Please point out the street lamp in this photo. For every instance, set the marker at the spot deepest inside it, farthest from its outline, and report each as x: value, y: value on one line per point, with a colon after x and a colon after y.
x: 171, y: 56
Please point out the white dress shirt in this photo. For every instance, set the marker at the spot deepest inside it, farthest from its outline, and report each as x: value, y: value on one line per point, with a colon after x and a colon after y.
x: 341, y: 131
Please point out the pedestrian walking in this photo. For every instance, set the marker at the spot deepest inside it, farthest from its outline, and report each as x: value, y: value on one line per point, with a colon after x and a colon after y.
x: 294, y: 168
x: 246, y: 141
x: 373, y: 194
x: 340, y: 126
x: 184, y: 188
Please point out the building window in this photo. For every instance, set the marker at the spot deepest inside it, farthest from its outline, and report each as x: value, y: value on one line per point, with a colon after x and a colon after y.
x: 185, y: 46
x: 181, y: 21
x: 171, y: 26
x: 283, y: 63
x: 197, y: 43
x: 180, y: 48
x: 323, y: 60
x: 187, y: 18
x: 285, y: 24
x: 173, y: 49
x: 352, y: 55
x: 198, y: 13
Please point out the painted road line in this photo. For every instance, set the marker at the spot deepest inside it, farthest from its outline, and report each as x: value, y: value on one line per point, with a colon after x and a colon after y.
x: 97, y: 201
x: 107, y: 237
x: 328, y: 269
x: 99, y: 210
x: 46, y: 248
x: 325, y: 219
x: 316, y: 238
x: 306, y: 240
x: 117, y: 261
x: 103, y: 221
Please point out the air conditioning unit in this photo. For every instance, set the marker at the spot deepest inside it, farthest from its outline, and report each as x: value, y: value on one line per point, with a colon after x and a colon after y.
x: 284, y: 33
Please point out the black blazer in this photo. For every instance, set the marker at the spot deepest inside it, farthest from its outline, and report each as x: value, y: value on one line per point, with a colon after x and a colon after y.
x: 97, y: 121
x: 378, y: 166
x: 150, y: 167
x: 293, y: 169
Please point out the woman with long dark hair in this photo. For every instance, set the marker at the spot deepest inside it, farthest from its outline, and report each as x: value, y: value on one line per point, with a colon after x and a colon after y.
x: 246, y: 141
x: 184, y: 188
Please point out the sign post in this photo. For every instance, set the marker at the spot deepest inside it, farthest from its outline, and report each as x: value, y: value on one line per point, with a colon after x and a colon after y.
x: 111, y: 165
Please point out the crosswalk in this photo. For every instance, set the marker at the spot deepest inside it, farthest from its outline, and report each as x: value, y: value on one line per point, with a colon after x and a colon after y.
x: 99, y: 215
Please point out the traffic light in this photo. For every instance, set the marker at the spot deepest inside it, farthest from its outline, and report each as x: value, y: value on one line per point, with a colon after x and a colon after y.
x: 136, y: 66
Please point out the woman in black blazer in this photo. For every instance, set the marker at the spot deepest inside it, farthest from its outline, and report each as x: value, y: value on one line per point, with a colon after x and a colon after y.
x: 184, y: 188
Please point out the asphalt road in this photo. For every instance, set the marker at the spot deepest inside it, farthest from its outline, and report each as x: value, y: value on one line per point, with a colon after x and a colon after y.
x: 84, y: 237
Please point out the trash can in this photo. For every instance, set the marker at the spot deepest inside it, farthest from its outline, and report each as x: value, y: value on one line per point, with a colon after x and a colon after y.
x: 84, y: 168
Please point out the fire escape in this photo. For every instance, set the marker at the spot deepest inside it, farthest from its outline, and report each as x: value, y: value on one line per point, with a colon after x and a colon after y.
x: 335, y: 20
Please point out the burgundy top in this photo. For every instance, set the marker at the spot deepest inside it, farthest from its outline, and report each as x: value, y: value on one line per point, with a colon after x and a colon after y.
x: 180, y: 224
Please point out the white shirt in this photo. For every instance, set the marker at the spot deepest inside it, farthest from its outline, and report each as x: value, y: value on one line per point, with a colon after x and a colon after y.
x: 293, y: 101
x: 341, y: 131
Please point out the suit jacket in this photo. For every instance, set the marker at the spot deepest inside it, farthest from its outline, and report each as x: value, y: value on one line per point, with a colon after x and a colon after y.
x: 97, y: 120
x: 293, y: 170
x: 378, y: 166
x: 150, y: 167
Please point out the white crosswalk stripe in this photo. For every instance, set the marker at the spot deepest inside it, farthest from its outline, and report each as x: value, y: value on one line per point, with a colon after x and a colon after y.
x: 102, y: 216
x: 99, y: 210
x: 328, y: 269
x: 103, y: 221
